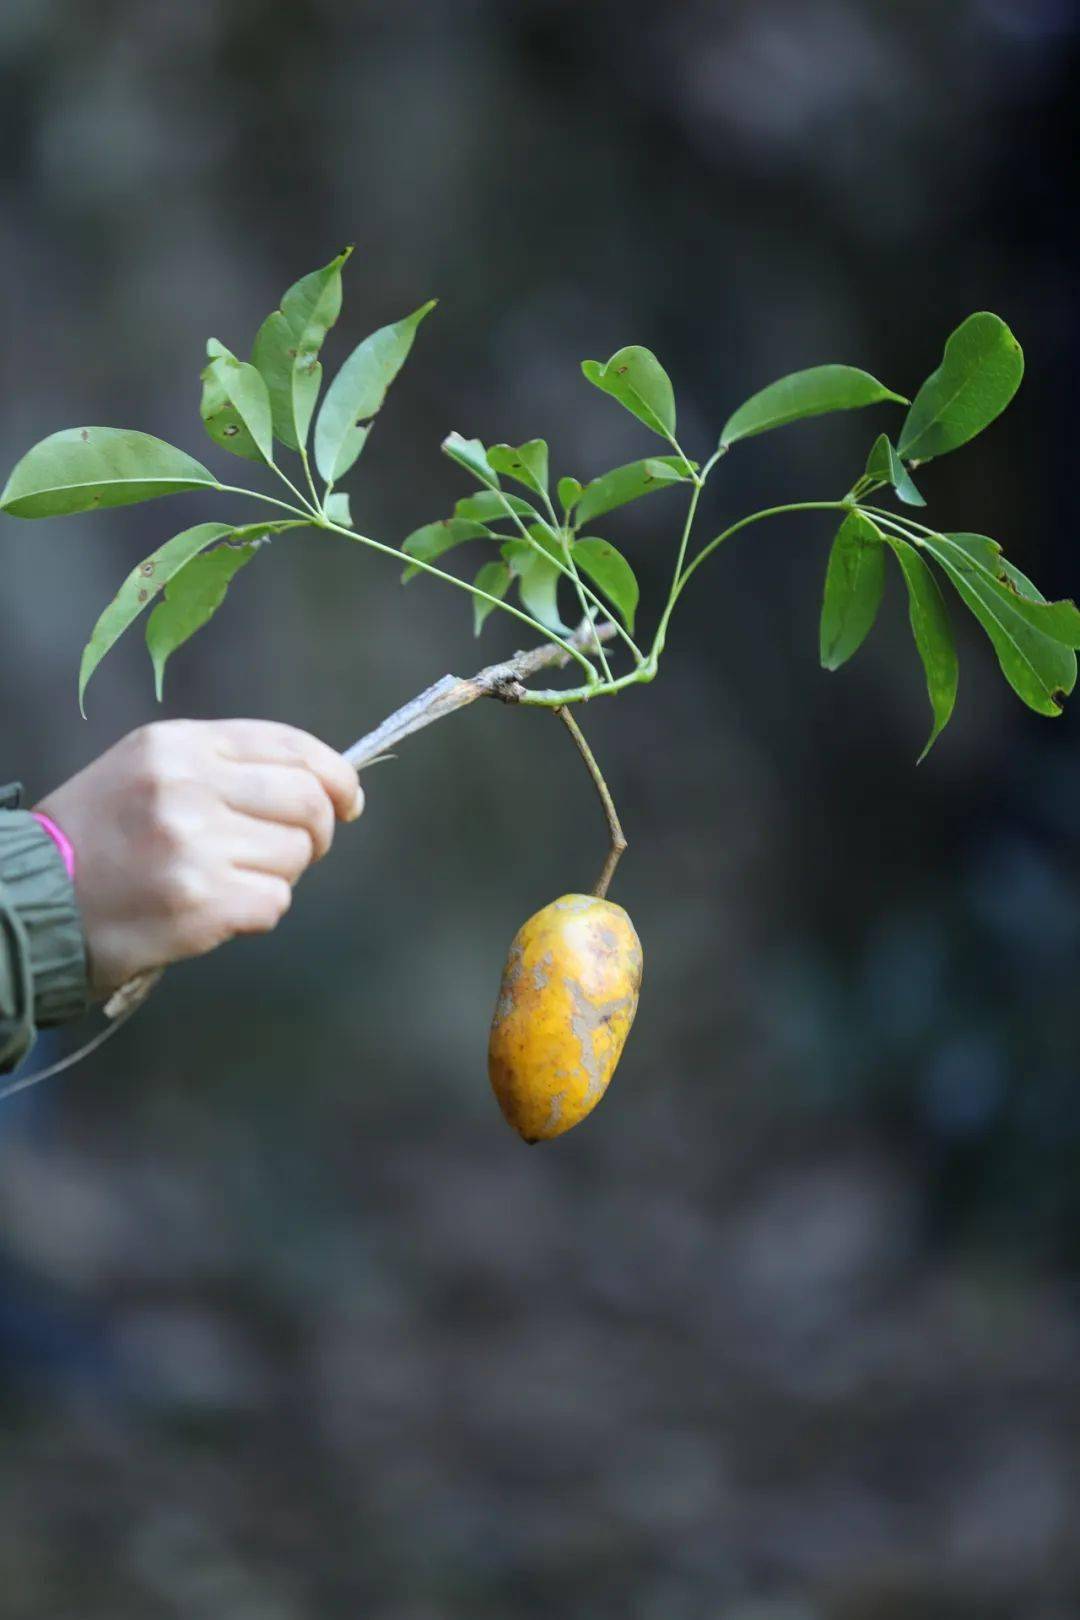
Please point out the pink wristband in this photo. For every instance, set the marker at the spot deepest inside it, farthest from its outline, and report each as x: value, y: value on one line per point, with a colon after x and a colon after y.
x: 60, y: 839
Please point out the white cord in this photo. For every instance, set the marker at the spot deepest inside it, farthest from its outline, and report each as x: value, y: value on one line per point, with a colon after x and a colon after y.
x: 74, y: 1057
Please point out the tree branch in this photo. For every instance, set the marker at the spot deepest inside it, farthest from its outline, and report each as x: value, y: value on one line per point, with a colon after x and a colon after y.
x: 504, y: 681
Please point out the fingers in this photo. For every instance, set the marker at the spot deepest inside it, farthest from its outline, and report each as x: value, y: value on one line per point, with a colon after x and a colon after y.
x: 286, y: 794
x: 268, y: 742
x: 269, y: 847
x: 257, y: 901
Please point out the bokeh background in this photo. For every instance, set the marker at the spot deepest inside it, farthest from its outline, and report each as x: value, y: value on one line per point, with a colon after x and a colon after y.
x: 291, y: 1326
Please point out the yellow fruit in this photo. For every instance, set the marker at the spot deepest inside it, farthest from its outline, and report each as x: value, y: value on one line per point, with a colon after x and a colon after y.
x: 568, y: 997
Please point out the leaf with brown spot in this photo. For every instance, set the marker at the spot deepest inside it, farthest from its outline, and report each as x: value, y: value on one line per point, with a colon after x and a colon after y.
x: 133, y: 594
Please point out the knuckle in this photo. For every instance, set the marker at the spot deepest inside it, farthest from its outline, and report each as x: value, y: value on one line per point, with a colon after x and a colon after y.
x: 155, y: 752
x: 169, y: 829
x: 178, y: 815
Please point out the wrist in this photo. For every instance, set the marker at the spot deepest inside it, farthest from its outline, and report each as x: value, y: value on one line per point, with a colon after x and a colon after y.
x: 60, y: 839
x: 40, y: 894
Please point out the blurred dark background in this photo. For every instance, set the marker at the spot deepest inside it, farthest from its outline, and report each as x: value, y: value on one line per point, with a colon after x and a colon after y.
x: 291, y: 1326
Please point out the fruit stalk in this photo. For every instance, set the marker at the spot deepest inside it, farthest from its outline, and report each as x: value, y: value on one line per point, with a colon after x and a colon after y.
x: 618, y: 840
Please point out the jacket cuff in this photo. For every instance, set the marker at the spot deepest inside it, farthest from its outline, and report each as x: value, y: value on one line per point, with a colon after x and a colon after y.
x: 42, y: 896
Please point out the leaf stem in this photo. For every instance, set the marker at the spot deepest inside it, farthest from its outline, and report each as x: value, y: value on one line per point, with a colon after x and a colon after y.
x: 754, y: 517
x: 661, y: 629
x: 900, y: 517
x: 721, y: 450
x: 615, y: 832
x: 572, y: 574
x: 461, y: 585
x: 563, y: 531
x: 303, y: 511
x: 287, y: 481
x: 310, y: 480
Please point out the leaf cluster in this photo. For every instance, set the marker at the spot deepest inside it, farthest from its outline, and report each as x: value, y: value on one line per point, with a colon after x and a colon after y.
x: 541, y: 533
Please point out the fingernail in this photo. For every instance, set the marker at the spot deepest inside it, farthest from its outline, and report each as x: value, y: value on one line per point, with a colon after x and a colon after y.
x: 358, y: 806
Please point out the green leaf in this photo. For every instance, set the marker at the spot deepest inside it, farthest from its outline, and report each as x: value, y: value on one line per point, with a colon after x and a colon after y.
x: 569, y: 494
x: 538, y: 577
x: 235, y: 406
x: 192, y: 598
x: 435, y: 539
x: 470, y: 454
x: 611, y: 573
x: 287, y: 347
x: 489, y: 506
x: 139, y: 588
x: 885, y: 467
x: 359, y: 390
x: 84, y: 469
x: 979, y: 373
x: 933, y: 636
x: 816, y: 392
x: 1060, y: 621
x: 527, y: 463
x: 629, y: 483
x: 854, y: 582
x: 494, y: 578
x: 1040, y: 670
x: 635, y: 377
x: 336, y: 507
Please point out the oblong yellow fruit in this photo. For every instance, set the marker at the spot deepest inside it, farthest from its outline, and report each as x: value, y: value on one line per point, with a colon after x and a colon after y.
x: 567, y: 1000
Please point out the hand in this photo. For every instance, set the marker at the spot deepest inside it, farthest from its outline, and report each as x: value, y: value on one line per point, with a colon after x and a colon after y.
x: 189, y: 832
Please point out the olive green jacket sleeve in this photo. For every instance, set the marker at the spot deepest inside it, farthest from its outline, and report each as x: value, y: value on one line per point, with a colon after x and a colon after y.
x: 43, y: 975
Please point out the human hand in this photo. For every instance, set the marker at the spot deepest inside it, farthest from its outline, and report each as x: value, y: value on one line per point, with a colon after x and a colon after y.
x: 189, y: 832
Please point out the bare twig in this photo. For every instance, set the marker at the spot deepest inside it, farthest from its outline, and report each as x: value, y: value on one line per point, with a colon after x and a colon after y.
x: 505, y: 681
x: 618, y: 841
